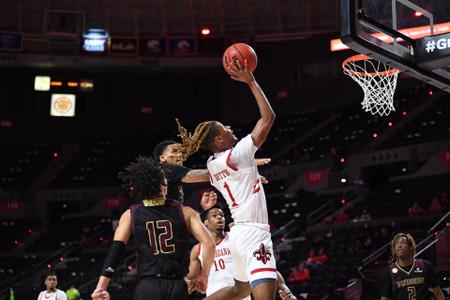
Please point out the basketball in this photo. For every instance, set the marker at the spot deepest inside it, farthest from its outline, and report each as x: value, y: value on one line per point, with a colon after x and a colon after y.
x: 240, y: 51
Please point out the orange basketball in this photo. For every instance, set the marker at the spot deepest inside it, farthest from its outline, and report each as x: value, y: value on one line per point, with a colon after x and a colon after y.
x: 240, y: 51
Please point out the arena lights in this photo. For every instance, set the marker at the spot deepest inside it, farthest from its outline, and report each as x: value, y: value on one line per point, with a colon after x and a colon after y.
x: 412, y: 32
x: 430, y: 93
x: 343, y: 180
x: 404, y: 113
x: 342, y: 160
x: 205, y: 31
x: 55, y: 154
x: 95, y: 40
x: 390, y: 124
x: 42, y: 83
x: 417, y: 14
x: 375, y: 135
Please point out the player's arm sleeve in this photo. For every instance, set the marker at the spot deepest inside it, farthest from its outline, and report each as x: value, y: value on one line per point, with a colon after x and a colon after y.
x: 385, y: 285
x: 117, y: 250
x: 243, y: 154
x: 174, y: 173
x: 195, y: 266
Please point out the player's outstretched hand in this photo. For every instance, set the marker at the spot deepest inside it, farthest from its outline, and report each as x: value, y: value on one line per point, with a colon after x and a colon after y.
x: 209, y: 199
x: 200, y: 282
x: 263, y: 179
x: 100, y: 294
x: 241, y: 73
x: 262, y: 161
x: 190, y: 285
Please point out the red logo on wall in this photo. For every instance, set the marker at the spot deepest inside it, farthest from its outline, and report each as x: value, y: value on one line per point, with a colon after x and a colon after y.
x: 445, y: 156
x: 315, y: 177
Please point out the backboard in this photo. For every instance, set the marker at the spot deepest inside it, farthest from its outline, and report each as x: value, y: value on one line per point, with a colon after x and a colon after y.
x: 401, y: 34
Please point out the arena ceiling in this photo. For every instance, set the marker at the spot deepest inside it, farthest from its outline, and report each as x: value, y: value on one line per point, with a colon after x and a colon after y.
x: 262, y: 19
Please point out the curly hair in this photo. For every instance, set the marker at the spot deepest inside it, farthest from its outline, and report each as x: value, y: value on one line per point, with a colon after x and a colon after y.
x: 201, y: 139
x: 143, y: 178
x: 410, y: 241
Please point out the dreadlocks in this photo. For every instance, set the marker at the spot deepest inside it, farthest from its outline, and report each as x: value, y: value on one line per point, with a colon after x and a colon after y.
x: 143, y: 178
x: 410, y: 240
x: 202, y: 138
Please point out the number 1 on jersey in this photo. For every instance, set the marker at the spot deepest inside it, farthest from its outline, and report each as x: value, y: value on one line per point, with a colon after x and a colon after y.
x: 225, y: 185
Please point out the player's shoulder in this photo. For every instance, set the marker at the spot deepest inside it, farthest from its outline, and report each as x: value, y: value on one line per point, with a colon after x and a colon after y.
x: 246, y: 140
x: 196, y: 247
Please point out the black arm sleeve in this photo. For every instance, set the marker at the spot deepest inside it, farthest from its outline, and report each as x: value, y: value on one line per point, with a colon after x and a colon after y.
x: 432, y: 277
x: 174, y: 173
x: 115, y: 256
x: 385, y: 284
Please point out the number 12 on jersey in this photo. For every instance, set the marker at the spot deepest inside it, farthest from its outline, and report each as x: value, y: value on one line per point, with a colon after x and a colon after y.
x: 160, y: 243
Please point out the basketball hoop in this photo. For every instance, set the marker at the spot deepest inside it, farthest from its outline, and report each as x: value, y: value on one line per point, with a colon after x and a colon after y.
x: 377, y: 80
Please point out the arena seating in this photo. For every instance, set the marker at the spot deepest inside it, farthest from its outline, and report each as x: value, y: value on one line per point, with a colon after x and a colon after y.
x: 21, y: 164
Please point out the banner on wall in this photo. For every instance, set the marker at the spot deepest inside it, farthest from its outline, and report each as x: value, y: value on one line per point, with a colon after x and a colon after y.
x: 10, y: 41
x: 153, y: 46
x: 182, y: 46
x: 315, y: 177
x: 123, y: 46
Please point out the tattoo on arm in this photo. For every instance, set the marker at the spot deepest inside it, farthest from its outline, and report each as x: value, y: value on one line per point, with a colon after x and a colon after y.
x: 197, y: 175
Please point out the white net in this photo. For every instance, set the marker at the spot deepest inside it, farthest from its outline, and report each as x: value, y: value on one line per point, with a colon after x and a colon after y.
x: 377, y: 80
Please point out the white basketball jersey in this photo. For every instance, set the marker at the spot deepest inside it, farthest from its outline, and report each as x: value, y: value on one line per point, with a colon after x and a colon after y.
x: 241, y: 187
x: 57, y: 295
x: 222, y: 269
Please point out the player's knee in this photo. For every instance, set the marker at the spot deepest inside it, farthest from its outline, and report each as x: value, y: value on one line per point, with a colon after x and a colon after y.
x: 242, y: 289
x: 264, y: 289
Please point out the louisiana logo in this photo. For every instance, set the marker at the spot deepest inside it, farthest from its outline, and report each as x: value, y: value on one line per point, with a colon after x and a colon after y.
x: 262, y: 254
x: 63, y: 105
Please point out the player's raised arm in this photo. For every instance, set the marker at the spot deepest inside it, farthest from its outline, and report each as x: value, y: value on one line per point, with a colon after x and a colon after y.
x: 262, y: 127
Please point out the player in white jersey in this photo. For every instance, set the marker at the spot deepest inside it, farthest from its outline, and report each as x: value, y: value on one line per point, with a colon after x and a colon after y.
x: 222, y: 270
x: 51, y: 293
x: 233, y: 172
